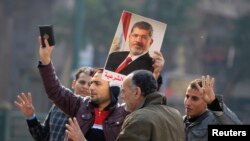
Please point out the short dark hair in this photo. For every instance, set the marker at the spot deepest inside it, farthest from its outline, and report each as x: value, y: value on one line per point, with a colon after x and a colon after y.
x: 97, y: 70
x: 193, y: 85
x: 86, y: 70
x: 145, y: 80
x: 143, y: 25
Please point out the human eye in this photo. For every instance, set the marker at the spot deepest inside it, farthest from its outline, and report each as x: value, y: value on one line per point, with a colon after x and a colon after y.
x: 195, y: 98
x: 98, y: 83
x: 135, y: 35
x: 82, y: 82
x: 145, y: 37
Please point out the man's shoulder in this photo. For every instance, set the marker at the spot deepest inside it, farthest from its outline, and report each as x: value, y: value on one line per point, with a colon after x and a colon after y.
x: 140, y: 117
x: 142, y: 113
x: 56, y: 111
x: 156, y: 111
x: 120, y: 108
x: 146, y: 55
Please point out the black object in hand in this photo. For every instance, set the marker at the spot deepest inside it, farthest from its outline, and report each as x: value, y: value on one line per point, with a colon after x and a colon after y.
x: 46, y: 32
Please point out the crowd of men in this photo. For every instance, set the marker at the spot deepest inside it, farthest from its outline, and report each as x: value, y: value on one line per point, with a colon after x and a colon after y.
x: 93, y: 113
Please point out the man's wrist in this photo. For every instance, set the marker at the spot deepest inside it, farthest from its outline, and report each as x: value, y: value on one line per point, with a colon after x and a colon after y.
x: 45, y: 61
x: 33, y: 116
x: 215, y: 105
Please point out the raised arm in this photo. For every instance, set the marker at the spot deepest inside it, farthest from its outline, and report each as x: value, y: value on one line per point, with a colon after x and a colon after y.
x: 39, y: 132
x: 215, y: 103
x: 62, y: 97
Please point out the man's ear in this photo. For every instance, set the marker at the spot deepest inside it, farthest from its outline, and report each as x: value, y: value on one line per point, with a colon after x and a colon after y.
x: 151, y: 42
x: 138, y: 92
x: 73, y: 84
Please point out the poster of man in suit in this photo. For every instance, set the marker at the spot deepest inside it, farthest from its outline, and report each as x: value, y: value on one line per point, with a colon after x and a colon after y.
x: 133, y: 46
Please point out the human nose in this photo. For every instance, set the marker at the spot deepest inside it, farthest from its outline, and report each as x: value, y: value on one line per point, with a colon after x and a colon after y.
x: 187, y: 101
x: 91, y: 87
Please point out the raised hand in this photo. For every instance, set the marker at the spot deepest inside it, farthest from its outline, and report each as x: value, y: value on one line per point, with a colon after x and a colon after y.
x: 45, y: 52
x: 73, y: 130
x: 207, y: 89
x: 24, y: 103
x: 158, y: 63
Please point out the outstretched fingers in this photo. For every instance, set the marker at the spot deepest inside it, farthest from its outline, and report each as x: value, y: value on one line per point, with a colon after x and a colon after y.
x: 24, y: 97
x: 29, y: 97
x: 20, y: 99
x: 212, y: 82
x: 73, y: 130
x: 207, y: 88
x: 199, y: 87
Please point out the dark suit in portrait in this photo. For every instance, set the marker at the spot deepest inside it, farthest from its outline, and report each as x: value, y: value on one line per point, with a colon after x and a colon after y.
x: 116, y: 58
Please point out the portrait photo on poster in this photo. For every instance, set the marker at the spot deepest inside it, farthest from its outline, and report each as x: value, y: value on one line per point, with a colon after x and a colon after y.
x: 135, y: 40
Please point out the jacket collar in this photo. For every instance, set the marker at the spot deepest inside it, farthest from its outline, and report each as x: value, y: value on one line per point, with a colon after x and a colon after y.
x: 110, y: 108
x: 197, y: 120
x: 153, y: 99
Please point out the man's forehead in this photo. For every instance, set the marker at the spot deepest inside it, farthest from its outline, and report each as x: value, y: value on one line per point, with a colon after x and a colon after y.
x: 98, y: 77
x: 128, y: 77
x: 83, y: 75
x: 97, y: 74
x: 125, y: 81
x: 193, y: 92
x: 140, y: 29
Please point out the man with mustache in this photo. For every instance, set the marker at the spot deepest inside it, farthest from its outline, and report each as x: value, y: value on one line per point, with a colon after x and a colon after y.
x: 140, y: 40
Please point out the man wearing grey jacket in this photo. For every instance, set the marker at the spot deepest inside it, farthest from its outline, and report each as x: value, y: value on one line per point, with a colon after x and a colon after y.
x: 150, y: 119
x: 204, y: 108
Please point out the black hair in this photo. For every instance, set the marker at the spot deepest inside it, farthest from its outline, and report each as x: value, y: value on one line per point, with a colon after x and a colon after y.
x: 114, y: 91
x: 193, y: 84
x: 143, y: 25
x: 159, y: 82
x: 145, y: 80
x: 86, y: 70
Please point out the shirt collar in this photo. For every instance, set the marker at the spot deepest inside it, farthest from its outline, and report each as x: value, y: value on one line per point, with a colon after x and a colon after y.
x: 136, y: 56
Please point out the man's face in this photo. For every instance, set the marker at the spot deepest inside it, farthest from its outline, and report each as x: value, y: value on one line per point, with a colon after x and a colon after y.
x: 81, y: 85
x: 128, y: 95
x: 194, y: 104
x: 139, y: 41
x: 99, y: 90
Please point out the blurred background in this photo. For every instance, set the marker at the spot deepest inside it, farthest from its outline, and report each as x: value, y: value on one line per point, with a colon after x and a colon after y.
x: 202, y: 37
